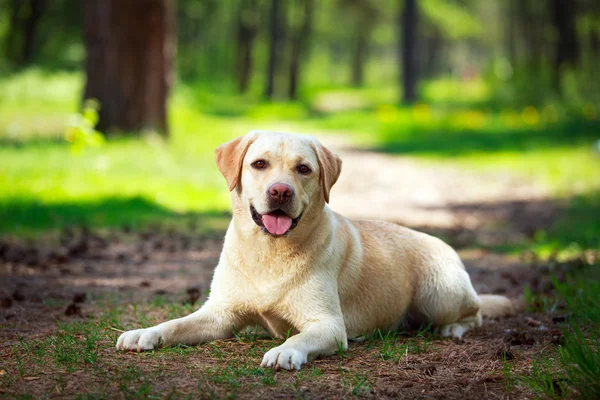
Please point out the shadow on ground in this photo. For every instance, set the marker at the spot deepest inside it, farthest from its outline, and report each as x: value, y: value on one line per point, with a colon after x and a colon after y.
x: 513, y: 226
x: 507, y: 225
x: 30, y: 216
x: 447, y: 141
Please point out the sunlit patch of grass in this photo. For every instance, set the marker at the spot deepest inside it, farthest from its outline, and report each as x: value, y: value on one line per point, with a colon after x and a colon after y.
x: 37, y: 104
x: 45, y: 186
x: 563, y: 170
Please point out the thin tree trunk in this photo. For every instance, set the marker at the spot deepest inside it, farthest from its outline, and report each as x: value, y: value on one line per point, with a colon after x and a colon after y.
x: 37, y: 8
x: 246, y: 34
x: 530, y: 32
x: 21, y: 39
x: 276, y: 40
x: 359, y: 58
x: 130, y: 51
x: 408, y: 21
x: 567, y: 48
x: 594, y: 44
x: 430, y: 59
x: 299, y: 48
x: 510, y: 32
x: 13, y: 32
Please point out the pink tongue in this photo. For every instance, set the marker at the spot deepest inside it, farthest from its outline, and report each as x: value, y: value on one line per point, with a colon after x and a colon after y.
x: 277, y: 224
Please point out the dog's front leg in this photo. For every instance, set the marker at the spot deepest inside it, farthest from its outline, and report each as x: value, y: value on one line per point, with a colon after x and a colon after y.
x: 210, y: 322
x: 319, y: 337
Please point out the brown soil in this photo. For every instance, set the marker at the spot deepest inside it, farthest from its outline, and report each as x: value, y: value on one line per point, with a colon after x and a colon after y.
x: 70, y: 279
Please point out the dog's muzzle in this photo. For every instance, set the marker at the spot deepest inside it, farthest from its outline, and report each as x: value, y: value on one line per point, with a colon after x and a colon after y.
x: 275, y: 223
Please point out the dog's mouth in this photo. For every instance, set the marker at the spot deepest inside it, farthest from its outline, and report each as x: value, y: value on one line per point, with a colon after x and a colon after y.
x: 276, y: 222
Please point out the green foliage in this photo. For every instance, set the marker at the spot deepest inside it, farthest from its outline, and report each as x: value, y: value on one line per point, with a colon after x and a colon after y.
x: 453, y: 19
x: 81, y: 133
x: 574, y: 369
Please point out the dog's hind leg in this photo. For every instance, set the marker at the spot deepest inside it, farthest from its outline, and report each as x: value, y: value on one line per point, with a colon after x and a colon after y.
x: 459, y: 328
x: 448, y: 301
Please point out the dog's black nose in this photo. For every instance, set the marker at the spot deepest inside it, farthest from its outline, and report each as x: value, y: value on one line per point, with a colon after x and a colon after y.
x: 280, y: 192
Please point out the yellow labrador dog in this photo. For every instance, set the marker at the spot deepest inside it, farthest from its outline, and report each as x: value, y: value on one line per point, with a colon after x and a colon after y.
x: 291, y: 264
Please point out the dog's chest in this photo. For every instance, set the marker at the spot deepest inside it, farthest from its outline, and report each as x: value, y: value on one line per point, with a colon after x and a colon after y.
x: 262, y: 294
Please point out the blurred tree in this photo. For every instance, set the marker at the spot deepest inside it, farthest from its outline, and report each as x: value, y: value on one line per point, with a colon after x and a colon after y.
x: 564, y: 14
x: 195, y: 41
x: 363, y: 16
x: 130, y: 50
x: 432, y: 44
x: 23, y: 25
x: 276, y: 42
x: 511, y: 31
x: 300, y: 39
x: 247, y: 30
x: 408, y: 24
x: 445, y: 24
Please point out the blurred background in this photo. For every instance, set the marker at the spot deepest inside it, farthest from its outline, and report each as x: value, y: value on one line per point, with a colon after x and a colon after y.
x: 475, y: 120
x: 110, y: 110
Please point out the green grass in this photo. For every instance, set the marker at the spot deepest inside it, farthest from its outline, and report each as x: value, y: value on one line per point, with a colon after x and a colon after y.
x: 395, y: 346
x: 46, y: 186
x: 573, y: 368
x: 357, y: 383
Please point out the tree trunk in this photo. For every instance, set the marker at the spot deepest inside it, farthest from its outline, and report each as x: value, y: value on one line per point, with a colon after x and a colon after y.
x: 432, y: 49
x: 408, y: 21
x: 511, y: 34
x: 531, y: 31
x: 23, y: 22
x: 567, y: 48
x: 300, y: 47
x: 130, y: 50
x: 275, y: 46
x: 594, y: 44
x: 359, y: 57
x: 246, y: 33
x: 37, y: 8
x: 13, y: 32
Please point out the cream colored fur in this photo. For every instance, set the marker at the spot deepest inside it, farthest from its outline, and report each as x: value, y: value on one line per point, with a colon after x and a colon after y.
x: 326, y: 281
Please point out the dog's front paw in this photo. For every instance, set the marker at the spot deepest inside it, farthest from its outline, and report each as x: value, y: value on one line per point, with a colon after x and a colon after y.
x: 140, y: 339
x: 284, y: 357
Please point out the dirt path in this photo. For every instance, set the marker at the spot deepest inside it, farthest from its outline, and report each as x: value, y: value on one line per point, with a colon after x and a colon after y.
x: 418, y: 193
x: 43, y: 286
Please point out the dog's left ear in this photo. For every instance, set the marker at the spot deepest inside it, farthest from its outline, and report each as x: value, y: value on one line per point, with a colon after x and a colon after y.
x: 229, y: 157
x: 331, y: 167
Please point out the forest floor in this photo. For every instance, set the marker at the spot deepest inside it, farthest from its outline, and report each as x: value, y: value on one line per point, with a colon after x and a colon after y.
x: 65, y: 299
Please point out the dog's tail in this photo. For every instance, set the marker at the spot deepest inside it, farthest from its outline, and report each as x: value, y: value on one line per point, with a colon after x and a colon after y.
x: 494, y: 306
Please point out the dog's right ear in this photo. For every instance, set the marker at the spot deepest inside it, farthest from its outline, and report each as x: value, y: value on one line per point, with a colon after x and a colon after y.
x: 229, y: 157
x: 331, y: 167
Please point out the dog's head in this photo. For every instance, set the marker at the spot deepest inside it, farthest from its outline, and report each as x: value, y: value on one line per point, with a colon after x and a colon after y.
x: 277, y: 179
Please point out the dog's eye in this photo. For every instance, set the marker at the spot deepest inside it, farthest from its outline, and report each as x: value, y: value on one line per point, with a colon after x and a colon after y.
x: 259, y: 164
x: 304, y: 169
